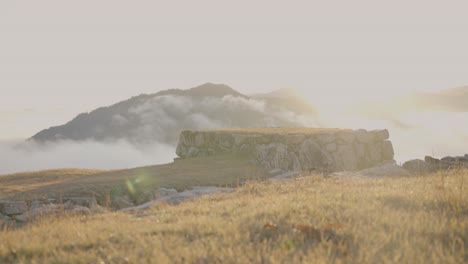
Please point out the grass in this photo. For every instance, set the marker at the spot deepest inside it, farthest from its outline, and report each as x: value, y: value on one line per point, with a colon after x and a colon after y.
x: 420, y: 219
x: 221, y: 170
x: 24, y: 182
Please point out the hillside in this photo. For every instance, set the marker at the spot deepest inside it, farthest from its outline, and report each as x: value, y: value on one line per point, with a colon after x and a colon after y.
x: 312, y: 220
x: 161, y: 116
x: 223, y: 170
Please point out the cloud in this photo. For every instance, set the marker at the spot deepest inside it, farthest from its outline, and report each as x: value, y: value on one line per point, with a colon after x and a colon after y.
x: 141, y: 132
x: 161, y: 118
x: 28, y: 156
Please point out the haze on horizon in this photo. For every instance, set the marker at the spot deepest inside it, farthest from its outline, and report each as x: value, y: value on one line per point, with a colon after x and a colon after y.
x: 61, y: 58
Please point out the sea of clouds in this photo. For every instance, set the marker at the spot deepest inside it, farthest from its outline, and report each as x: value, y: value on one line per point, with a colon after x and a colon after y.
x: 160, y: 119
x: 18, y: 156
x: 152, y: 128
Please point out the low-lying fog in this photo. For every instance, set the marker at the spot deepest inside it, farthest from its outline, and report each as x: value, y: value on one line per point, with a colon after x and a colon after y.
x: 413, y: 134
x: 18, y: 156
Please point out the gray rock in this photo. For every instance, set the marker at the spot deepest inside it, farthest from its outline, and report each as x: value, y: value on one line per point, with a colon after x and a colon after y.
x: 163, y: 192
x: 181, y: 150
x: 80, y: 210
x: 273, y: 156
x: 375, y: 152
x: 294, y: 139
x: 346, y: 137
x: 296, y: 164
x: 13, y: 207
x: 224, y: 141
x: 195, y: 192
x: 312, y: 156
x: 381, y: 135
x: 387, y: 150
x: 39, y: 211
x: 192, y: 152
x: 324, y: 139
x: 275, y: 172
x: 4, y: 218
x: 346, y: 158
x: 89, y: 202
x: 331, y: 147
x: 418, y: 166
x: 245, y: 149
x: 199, y: 140
x: 346, y: 150
x: 239, y: 139
x: 360, y: 150
x: 123, y: 202
x: 364, y: 137
x: 459, y: 159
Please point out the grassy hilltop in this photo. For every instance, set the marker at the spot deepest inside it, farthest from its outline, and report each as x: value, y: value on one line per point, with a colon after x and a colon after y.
x: 106, y: 186
x: 421, y: 219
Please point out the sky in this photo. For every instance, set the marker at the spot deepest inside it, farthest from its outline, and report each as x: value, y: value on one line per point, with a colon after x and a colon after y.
x: 59, y: 58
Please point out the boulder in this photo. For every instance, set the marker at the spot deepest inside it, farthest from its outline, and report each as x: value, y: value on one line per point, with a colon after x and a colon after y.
x: 295, y: 139
x: 387, y: 150
x: 89, y: 202
x: 4, y: 218
x: 364, y: 137
x: 13, y: 207
x: 225, y: 142
x: 346, y: 158
x: 313, y: 156
x: 80, y: 210
x: 199, y: 140
x: 346, y: 137
x: 417, y: 166
x: 375, y: 153
x: 381, y: 135
x: 163, y: 192
x: 331, y: 147
x: 274, y: 156
x: 324, y: 139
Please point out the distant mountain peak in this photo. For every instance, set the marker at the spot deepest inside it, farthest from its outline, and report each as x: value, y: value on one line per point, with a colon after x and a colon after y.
x: 204, y: 90
x: 281, y: 93
x: 161, y: 116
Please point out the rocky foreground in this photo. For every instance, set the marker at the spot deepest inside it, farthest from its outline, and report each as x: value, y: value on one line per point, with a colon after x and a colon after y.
x: 208, y: 156
x: 430, y: 164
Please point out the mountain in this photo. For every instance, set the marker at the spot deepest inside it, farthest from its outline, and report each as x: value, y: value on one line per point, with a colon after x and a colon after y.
x: 161, y: 116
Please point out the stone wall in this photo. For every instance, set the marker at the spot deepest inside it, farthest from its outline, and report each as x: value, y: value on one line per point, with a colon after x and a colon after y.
x: 307, y: 149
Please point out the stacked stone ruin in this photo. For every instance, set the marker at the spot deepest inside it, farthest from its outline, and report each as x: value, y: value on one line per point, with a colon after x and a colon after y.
x: 324, y: 150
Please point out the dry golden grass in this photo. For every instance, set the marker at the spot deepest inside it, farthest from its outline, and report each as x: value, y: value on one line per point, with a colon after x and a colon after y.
x: 282, y: 130
x: 312, y: 220
x: 221, y: 170
x: 24, y: 182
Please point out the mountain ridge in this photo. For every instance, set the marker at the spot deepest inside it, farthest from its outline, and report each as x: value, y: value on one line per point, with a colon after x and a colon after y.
x: 160, y: 116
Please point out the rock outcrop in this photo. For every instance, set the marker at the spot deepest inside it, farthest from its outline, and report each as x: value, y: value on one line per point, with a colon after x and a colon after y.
x: 22, y: 211
x: 292, y: 149
x: 430, y: 164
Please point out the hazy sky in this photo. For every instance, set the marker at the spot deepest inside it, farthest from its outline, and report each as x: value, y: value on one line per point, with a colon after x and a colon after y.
x: 59, y: 58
